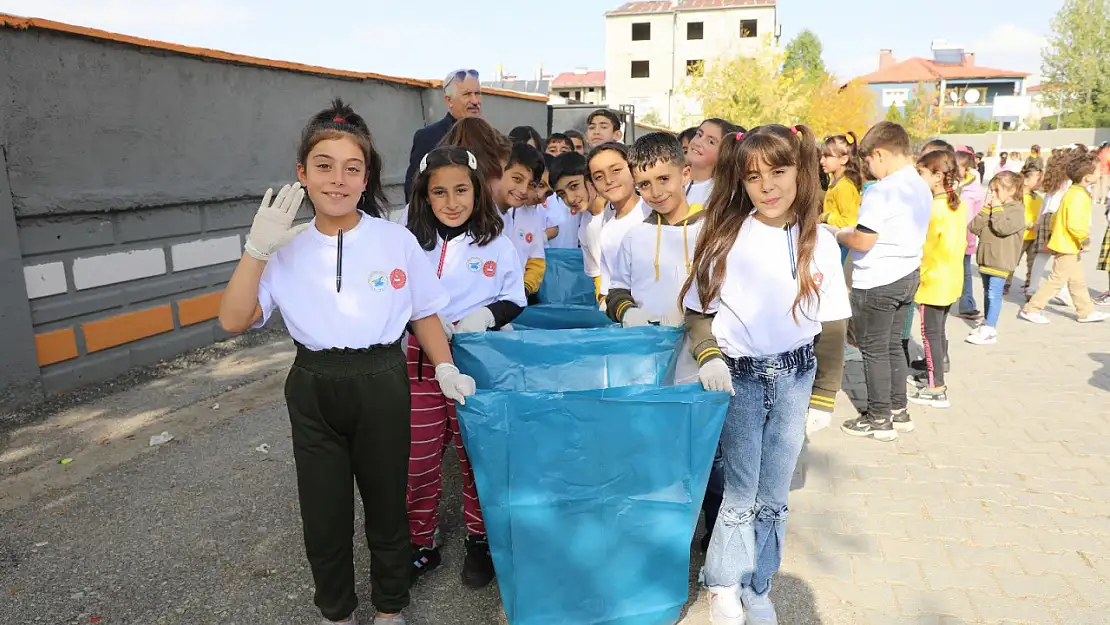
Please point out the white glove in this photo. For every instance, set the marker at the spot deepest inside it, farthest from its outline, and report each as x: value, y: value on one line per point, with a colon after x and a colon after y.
x: 674, y: 319
x: 508, y: 327
x: 635, y: 318
x: 273, y: 224
x: 448, y: 328
x: 817, y: 420
x: 715, y: 376
x: 478, y: 321
x: 454, y: 385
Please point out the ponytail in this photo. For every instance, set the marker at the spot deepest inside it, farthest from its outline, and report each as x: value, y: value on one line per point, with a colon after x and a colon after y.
x: 847, y: 145
x: 953, y: 197
x: 943, y: 162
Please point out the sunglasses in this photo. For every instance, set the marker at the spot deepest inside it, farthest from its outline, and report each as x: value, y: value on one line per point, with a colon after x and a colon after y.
x: 461, y: 75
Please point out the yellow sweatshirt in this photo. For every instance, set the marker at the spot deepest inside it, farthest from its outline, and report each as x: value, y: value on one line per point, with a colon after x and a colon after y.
x: 1071, y: 228
x: 942, y: 259
x: 1033, y: 203
x: 842, y: 202
x: 533, y: 274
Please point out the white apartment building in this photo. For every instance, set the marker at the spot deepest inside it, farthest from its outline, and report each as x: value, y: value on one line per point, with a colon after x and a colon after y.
x: 650, y: 47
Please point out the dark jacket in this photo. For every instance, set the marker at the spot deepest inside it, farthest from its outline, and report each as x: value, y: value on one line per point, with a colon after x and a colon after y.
x: 1001, y: 230
x: 424, y: 141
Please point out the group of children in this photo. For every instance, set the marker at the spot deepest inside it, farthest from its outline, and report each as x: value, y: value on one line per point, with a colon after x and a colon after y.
x: 725, y: 231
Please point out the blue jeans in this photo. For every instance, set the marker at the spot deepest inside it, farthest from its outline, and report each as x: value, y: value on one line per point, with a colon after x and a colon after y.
x: 967, y: 299
x: 760, y: 443
x: 992, y: 297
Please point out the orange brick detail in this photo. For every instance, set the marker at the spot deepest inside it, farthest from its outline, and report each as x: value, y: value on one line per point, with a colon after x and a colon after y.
x: 127, y: 327
x: 56, y: 346
x: 199, y: 308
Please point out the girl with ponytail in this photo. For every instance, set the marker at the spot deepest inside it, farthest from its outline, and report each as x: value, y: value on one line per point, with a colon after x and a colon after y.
x: 840, y: 160
x: 941, y: 272
x: 764, y: 277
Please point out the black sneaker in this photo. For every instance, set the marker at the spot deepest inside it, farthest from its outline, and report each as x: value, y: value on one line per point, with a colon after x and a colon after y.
x: 424, y: 560
x: 919, y: 365
x: 926, y: 397
x: 882, y: 430
x: 478, y: 566
x: 901, y: 420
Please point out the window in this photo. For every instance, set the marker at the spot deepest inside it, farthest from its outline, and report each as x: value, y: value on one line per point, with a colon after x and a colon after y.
x: 693, y: 68
x: 695, y: 30
x: 564, y: 94
x: 591, y: 89
x: 897, y: 97
x: 640, y: 69
x: 749, y: 28
x: 641, y: 31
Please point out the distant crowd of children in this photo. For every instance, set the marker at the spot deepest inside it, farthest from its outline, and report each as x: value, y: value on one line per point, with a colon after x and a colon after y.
x: 773, y: 248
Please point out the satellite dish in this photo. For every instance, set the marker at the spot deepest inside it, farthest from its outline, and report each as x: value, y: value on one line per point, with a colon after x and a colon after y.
x: 971, y: 96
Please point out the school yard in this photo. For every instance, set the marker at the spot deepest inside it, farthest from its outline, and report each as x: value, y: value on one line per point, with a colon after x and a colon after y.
x: 994, y: 511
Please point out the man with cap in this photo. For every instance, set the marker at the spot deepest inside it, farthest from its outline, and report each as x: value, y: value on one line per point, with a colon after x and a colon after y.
x: 463, y: 95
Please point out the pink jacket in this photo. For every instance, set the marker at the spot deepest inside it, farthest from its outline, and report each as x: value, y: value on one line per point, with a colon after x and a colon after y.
x: 973, y: 195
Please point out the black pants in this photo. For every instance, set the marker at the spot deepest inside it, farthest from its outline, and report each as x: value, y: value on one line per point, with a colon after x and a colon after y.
x: 935, y: 340
x: 880, y: 316
x: 350, y: 416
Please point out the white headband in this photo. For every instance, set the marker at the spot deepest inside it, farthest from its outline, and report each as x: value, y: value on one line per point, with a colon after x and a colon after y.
x: 470, y: 161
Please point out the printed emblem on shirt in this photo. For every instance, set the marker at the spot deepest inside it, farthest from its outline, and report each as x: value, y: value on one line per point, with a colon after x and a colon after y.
x: 818, y: 278
x: 398, y: 279
x: 377, y: 280
x: 528, y: 237
x: 474, y: 264
x: 489, y: 269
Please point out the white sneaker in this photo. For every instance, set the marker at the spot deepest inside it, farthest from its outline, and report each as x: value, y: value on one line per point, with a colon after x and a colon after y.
x: 817, y: 420
x: 983, y: 335
x: 725, y: 607
x: 1095, y: 317
x: 350, y: 620
x: 759, y: 609
x: 1035, y: 317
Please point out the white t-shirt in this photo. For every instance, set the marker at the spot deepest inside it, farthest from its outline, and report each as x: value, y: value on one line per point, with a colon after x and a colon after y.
x: 657, y: 294
x: 898, y: 208
x: 525, y: 228
x: 612, y: 233
x: 697, y: 194
x: 400, y: 216
x: 589, y: 239
x: 558, y: 214
x: 475, y: 276
x: 754, y: 312
x: 387, y: 282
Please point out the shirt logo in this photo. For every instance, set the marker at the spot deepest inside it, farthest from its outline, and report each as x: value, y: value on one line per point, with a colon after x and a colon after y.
x: 818, y: 278
x: 474, y: 264
x: 377, y: 280
x: 489, y: 269
x: 398, y: 279
x: 528, y: 237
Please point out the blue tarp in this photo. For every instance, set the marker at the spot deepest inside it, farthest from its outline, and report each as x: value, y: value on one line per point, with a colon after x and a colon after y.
x: 590, y: 472
x: 565, y: 280
x: 561, y: 317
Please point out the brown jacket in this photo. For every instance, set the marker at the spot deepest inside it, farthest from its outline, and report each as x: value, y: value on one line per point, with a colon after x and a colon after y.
x: 1001, y: 230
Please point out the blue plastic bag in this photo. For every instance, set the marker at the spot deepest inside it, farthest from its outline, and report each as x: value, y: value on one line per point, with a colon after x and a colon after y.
x: 568, y: 360
x: 590, y: 498
x: 561, y: 317
x: 565, y: 280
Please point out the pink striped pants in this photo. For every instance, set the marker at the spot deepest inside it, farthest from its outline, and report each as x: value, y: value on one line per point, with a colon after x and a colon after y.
x: 434, y: 426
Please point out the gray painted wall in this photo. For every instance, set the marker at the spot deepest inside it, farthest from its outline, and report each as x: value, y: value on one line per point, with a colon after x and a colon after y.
x: 116, y: 148
x: 1021, y: 141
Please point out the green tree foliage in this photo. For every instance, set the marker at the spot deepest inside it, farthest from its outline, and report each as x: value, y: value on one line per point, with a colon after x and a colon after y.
x: 803, y: 54
x: 1076, y: 62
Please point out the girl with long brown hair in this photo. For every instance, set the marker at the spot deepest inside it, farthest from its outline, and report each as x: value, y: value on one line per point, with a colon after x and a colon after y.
x: 763, y: 279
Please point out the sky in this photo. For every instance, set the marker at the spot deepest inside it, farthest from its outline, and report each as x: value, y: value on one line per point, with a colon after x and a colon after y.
x: 428, y: 38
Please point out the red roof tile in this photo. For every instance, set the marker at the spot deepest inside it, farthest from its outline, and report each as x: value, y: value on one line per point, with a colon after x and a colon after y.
x: 665, y: 6
x: 572, y: 79
x: 923, y: 70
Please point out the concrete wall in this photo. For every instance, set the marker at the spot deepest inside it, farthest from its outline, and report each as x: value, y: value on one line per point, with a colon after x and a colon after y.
x: 1021, y: 141
x: 131, y: 177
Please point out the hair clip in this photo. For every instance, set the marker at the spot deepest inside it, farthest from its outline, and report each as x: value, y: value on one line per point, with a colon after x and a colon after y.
x: 794, y: 130
x: 739, y: 135
x: 471, y: 160
x: 850, y: 139
x: 423, y: 163
x: 339, y: 120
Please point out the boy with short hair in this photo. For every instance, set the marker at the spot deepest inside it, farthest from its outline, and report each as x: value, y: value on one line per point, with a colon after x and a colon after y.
x: 578, y: 140
x: 559, y: 143
x: 524, y: 224
x: 611, y: 176
x: 603, y: 126
x: 886, y: 249
x: 655, y: 255
x: 1071, y: 234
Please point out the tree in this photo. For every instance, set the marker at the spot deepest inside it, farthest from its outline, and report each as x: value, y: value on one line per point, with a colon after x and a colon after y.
x: 652, y: 118
x: 1077, y: 61
x: 922, y: 116
x: 803, y: 54
x: 749, y: 90
x: 894, y: 114
x: 968, y: 124
x: 835, y: 109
